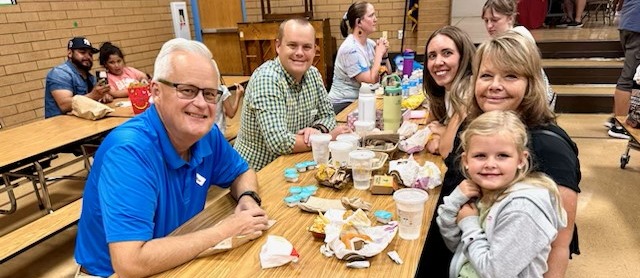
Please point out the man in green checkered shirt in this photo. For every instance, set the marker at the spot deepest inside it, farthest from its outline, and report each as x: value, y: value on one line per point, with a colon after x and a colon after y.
x: 285, y: 100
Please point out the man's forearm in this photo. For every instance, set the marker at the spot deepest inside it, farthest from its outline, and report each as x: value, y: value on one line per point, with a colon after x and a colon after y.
x: 247, y: 181
x: 140, y: 259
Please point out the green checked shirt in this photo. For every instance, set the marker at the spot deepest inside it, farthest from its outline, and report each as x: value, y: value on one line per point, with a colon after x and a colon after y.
x: 275, y: 108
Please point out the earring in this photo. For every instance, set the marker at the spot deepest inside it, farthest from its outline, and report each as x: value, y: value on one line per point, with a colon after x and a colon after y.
x: 466, y: 167
x: 359, y: 32
x: 520, y: 167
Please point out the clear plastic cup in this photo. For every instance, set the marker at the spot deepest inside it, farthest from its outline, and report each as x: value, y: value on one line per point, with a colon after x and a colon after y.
x: 410, y: 205
x: 352, y: 138
x: 364, y: 127
x: 320, y: 147
x: 361, y: 161
x: 340, y: 152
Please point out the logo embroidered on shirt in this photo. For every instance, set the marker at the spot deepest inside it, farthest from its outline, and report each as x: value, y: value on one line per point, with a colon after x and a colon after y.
x: 200, y: 179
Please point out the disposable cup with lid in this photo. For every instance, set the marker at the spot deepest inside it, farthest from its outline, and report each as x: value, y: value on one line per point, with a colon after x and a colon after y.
x: 410, y: 206
x: 320, y: 147
x: 340, y: 152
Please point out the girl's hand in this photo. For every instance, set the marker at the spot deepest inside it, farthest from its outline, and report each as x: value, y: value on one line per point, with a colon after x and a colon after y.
x: 239, y: 89
x: 470, y: 189
x: 468, y: 209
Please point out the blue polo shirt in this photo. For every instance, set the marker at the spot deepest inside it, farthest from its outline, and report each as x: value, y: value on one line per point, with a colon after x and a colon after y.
x: 65, y: 77
x: 139, y: 187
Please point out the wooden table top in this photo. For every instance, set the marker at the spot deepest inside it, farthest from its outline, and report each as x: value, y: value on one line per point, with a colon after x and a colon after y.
x: 36, y: 138
x: 292, y: 224
x: 342, y: 116
x: 231, y: 79
x: 120, y: 111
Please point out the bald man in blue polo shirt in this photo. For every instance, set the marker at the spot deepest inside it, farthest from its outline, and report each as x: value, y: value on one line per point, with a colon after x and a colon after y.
x: 152, y: 174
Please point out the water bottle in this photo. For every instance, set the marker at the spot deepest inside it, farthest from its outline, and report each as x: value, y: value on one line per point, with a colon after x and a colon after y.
x: 405, y: 86
x: 367, y: 102
x: 391, y: 109
x: 413, y: 85
x: 407, y: 62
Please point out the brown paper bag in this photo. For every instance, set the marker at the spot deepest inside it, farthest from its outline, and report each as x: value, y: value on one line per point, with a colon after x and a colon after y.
x: 89, y: 109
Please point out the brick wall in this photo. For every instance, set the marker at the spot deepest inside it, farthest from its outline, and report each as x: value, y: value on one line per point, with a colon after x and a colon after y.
x: 34, y: 34
x: 432, y: 15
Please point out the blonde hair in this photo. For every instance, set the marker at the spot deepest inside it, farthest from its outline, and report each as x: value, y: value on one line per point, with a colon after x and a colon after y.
x: 512, y: 52
x: 507, y: 124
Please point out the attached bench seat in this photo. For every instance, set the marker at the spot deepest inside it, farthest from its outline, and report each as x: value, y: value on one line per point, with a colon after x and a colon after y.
x: 25, y: 237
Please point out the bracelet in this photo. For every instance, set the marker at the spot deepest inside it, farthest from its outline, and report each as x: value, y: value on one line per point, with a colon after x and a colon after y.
x: 321, y: 127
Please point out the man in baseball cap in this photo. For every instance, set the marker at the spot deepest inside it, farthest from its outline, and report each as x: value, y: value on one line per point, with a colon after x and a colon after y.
x: 73, y: 77
x: 81, y: 43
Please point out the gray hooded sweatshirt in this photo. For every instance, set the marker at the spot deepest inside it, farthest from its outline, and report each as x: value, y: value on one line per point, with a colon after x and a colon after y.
x: 517, y: 237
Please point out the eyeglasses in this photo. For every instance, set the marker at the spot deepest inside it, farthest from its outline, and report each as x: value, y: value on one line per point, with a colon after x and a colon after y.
x: 186, y: 91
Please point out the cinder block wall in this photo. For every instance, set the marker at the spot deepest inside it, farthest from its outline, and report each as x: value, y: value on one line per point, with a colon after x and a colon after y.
x: 34, y: 33
x: 34, y: 36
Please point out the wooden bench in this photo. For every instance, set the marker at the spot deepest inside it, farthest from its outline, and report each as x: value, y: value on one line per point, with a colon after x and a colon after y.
x: 592, y: 90
x: 25, y: 237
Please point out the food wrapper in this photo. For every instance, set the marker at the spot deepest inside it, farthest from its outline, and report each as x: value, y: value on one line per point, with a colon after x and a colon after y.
x: 354, y: 238
x: 316, y: 204
x: 416, y: 142
x: 277, y: 251
x: 87, y: 108
x: 333, y: 176
x: 233, y: 242
x: 413, y: 101
x: 410, y: 174
x: 407, y: 129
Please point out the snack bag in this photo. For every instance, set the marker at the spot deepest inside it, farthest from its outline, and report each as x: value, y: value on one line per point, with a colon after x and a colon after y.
x: 139, y: 94
x: 87, y: 108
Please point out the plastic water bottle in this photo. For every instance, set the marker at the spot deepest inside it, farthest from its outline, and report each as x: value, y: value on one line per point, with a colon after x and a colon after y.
x: 413, y: 85
x: 405, y: 86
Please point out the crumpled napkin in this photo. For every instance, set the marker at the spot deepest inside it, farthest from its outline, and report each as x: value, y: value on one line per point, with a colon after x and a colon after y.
x: 416, y: 142
x: 277, y: 251
x: 356, y: 230
x: 411, y: 174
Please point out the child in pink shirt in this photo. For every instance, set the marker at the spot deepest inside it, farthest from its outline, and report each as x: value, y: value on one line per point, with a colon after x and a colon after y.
x: 119, y: 75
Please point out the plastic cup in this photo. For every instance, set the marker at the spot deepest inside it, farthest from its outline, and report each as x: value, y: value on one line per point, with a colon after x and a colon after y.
x: 320, y: 147
x: 340, y: 152
x: 364, y: 127
x: 410, y: 205
x: 361, y: 161
x: 352, y: 138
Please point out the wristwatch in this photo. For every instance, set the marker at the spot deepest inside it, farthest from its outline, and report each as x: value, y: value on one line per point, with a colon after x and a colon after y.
x: 253, y: 195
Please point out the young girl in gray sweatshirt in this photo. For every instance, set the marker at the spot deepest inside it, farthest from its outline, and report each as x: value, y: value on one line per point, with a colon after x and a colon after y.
x: 501, y: 220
